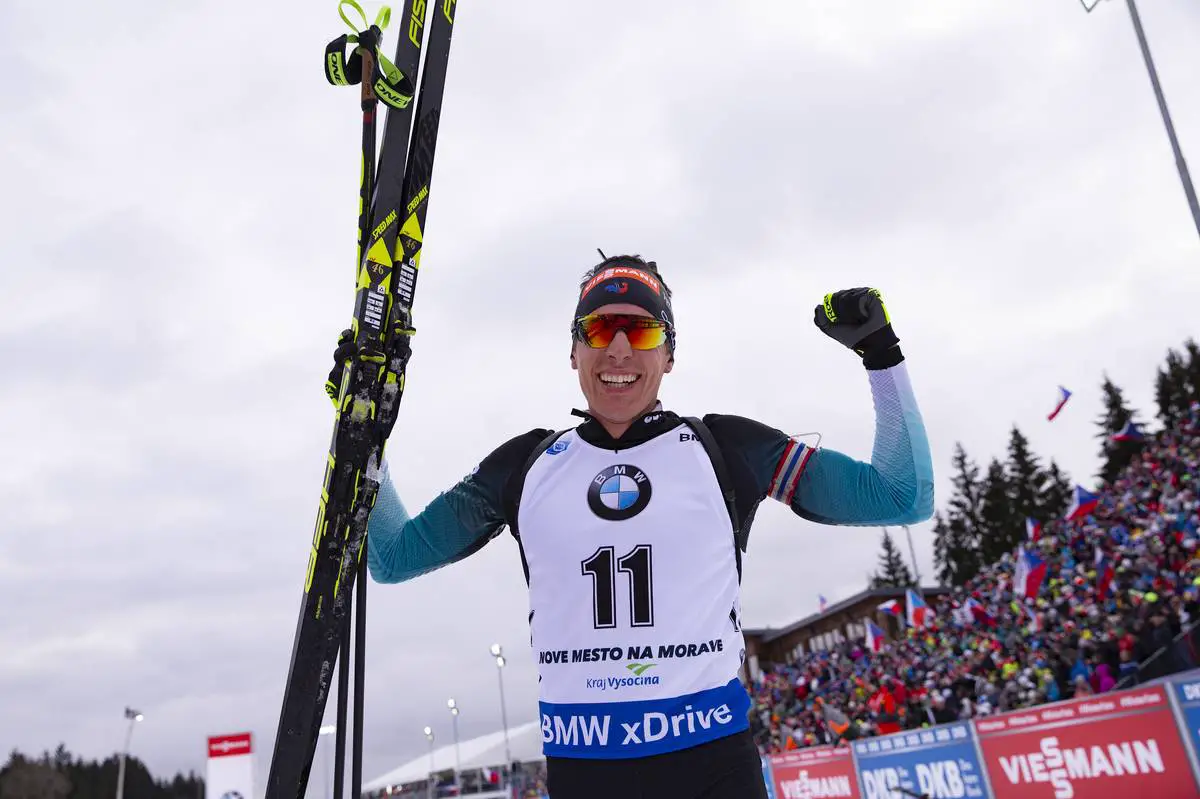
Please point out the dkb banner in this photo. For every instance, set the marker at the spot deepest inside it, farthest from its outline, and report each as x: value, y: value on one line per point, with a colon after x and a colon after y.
x: 1188, y: 695
x: 939, y: 762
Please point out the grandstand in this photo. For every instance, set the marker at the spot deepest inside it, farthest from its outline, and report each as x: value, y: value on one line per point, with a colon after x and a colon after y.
x: 1106, y: 597
x: 837, y: 624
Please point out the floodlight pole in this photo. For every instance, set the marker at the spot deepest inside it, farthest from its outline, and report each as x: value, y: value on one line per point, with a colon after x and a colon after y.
x: 432, y: 770
x: 497, y: 652
x: 134, y: 716
x: 1180, y: 163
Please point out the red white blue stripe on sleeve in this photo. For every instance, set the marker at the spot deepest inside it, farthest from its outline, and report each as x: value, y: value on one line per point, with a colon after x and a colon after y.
x: 788, y: 470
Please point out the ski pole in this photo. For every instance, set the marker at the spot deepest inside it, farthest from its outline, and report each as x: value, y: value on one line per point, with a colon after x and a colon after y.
x: 360, y: 649
x: 394, y: 197
x: 364, y: 61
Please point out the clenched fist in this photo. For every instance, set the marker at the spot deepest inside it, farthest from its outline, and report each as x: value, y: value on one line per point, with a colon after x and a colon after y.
x: 858, y: 319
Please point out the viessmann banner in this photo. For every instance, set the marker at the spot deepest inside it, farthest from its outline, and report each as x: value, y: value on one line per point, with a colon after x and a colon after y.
x: 815, y: 773
x: 940, y: 762
x: 1123, y: 744
x: 230, y: 771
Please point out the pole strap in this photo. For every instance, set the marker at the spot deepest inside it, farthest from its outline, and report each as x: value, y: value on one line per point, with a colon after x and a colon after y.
x: 391, y: 85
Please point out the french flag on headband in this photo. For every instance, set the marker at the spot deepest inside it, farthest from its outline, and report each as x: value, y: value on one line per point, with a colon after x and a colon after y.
x: 1083, y: 502
x: 918, y: 611
x: 1063, y: 396
x: 1130, y: 432
x: 1104, y: 574
x: 1028, y: 576
x: 1033, y: 530
x: 788, y: 470
x: 874, y: 636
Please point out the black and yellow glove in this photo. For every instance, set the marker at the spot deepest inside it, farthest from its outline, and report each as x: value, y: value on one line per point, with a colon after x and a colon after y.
x: 858, y: 319
x: 345, y: 349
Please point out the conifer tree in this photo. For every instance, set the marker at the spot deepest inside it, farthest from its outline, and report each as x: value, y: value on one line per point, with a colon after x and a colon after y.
x: 1000, y: 525
x: 1114, y: 455
x: 893, y: 571
x: 957, y: 534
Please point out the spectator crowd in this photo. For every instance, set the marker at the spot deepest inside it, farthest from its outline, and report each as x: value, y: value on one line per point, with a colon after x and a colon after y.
x: 1088, y: 630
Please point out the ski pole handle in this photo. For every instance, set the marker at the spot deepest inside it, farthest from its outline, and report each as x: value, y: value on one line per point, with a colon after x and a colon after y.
x: 368, y: 41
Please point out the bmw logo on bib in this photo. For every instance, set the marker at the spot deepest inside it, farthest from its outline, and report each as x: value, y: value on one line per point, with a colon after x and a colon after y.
x: 619, y: 492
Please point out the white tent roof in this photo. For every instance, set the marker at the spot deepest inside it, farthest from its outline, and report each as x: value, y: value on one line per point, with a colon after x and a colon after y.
x: 524, y: 741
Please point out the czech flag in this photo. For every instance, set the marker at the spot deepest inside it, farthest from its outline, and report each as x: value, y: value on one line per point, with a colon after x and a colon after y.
x: 1130, y: 432
x: 918, y: 611
x: 1033, y: 530
x: 1063, y: 396
x: 892, y: 607
x: 979, y: 612
x: 1023, y: 612
x: 874, y: 636
x: 1083, y: 502
x: 1029, y: 573
x: 1104, y: 574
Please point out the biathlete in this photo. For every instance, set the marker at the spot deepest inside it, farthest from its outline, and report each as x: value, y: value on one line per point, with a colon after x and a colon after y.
x: 631, y: 529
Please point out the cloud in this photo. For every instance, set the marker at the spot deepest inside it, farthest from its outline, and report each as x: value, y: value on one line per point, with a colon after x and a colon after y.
x: 177, y: 256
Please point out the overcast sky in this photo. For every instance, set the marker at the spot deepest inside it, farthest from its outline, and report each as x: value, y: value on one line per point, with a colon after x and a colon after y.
x: 177, y: 237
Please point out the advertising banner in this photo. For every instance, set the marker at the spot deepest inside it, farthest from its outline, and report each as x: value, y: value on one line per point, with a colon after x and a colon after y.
x: 766, y: 769
x: 1188, y: 695
x: 230, y: 770
x: 815, y: 773
x: 938, y: 763
x: 1096, y: 747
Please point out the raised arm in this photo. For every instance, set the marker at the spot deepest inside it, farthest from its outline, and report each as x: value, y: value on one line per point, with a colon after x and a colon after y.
x: 827, y: 486
x: 896, y: 487
x: 457, y: 523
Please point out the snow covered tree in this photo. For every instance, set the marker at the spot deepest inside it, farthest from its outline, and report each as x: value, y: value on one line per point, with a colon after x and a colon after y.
x: 893, y: 571
x: 957, y: 552
x: 1000, y: 525
x: 1025, y: 476
x: 1177, y: 384
x: 1055, y: 494
x: 1115, y: 455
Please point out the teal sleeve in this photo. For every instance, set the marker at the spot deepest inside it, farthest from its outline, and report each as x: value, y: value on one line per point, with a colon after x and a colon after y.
x: 896, y: 487
x: 400, y: 547
x: 457, y: 523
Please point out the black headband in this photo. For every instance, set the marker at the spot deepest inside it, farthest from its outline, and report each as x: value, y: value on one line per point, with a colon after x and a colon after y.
x: 626, y: 284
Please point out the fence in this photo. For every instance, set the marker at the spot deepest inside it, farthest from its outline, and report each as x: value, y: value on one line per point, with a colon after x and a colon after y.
x: 1181, y: 654
x: 1139, y: 742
